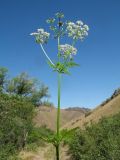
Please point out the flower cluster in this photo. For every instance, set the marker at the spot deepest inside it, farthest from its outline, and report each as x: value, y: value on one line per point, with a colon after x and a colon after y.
x: 77, y: 30
x: 50, y: 20
x: 41, y: 36
x: 67, y: 50
x: 57, y: 25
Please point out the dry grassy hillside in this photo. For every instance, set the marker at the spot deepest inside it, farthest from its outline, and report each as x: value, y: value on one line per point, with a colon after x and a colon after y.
x: 47, y: 116
x: 111, y: 107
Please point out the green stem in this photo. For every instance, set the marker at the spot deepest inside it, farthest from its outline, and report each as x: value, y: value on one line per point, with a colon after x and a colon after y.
x: 58, y: 118
x: 58, y: 113
x: 58, y: 110
x: 57, y: 152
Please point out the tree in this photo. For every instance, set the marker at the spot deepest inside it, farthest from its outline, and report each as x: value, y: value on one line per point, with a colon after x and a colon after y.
x: 3, y: 74
x: 38, y: 95
x: 25, y: 86
x: 21, y: 85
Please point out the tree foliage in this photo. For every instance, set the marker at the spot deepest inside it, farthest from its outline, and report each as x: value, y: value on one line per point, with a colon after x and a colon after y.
x: 37, y: 95
x: 3, y: 74
x: 24, y: 86
x: 21, y: 85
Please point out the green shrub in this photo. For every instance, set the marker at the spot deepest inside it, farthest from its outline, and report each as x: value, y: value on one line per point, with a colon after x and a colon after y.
x: 16, y: 115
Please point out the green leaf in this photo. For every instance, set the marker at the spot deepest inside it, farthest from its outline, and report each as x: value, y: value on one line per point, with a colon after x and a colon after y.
x: 67, y: 134
x: 71, y: 64
x: 50, y: 64
x: 62, y: 67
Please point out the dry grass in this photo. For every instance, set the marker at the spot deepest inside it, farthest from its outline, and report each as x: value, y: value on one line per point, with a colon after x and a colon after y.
x: 47, y: 116
x: 111, y: 108
x: 42, y: 153
x: 47, y: 153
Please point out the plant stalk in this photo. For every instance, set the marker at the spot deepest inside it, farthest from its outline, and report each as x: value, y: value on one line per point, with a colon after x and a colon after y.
x: 57, y: 152
x: 58, y: 112
x: 58, y: 116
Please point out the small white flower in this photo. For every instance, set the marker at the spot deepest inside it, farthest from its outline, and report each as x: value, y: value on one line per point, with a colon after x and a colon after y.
x: 86, y: 27
x: 34, y: 34
x: 40, y: 30
x: 46, y: 34
x: 70, y: 23
x: 79, y: 23
x: 85, y: 33
x: 69, y: 27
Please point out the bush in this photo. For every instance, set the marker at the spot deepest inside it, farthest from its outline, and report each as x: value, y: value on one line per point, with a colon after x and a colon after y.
x: 99, y: 141
x: 16, y: 116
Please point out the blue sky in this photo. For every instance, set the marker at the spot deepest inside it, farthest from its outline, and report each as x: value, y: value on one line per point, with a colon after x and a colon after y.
x: 99, y: 55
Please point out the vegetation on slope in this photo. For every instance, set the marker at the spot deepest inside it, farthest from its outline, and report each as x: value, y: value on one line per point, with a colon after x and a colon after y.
x: 98, y: 141
x: 115, y: 94
x: 16, y: 116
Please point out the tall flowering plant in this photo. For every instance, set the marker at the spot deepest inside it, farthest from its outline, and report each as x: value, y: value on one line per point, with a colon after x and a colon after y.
x: 65, y: 58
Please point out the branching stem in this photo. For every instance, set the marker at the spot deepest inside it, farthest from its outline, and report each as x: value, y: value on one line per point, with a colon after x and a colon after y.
x: 46, y: 55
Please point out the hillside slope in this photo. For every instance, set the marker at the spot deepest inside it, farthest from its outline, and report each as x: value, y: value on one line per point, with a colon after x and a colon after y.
x: 111, y: 107
x: 47, y: 116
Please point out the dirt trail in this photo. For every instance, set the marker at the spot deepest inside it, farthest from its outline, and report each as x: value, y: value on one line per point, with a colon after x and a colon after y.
x: 42, y: 153
x: 45, y: 153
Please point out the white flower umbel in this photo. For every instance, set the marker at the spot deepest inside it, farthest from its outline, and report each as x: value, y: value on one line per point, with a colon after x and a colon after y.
x: 67, y: 50
x: 41, y: 36
x: 77, y: 30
